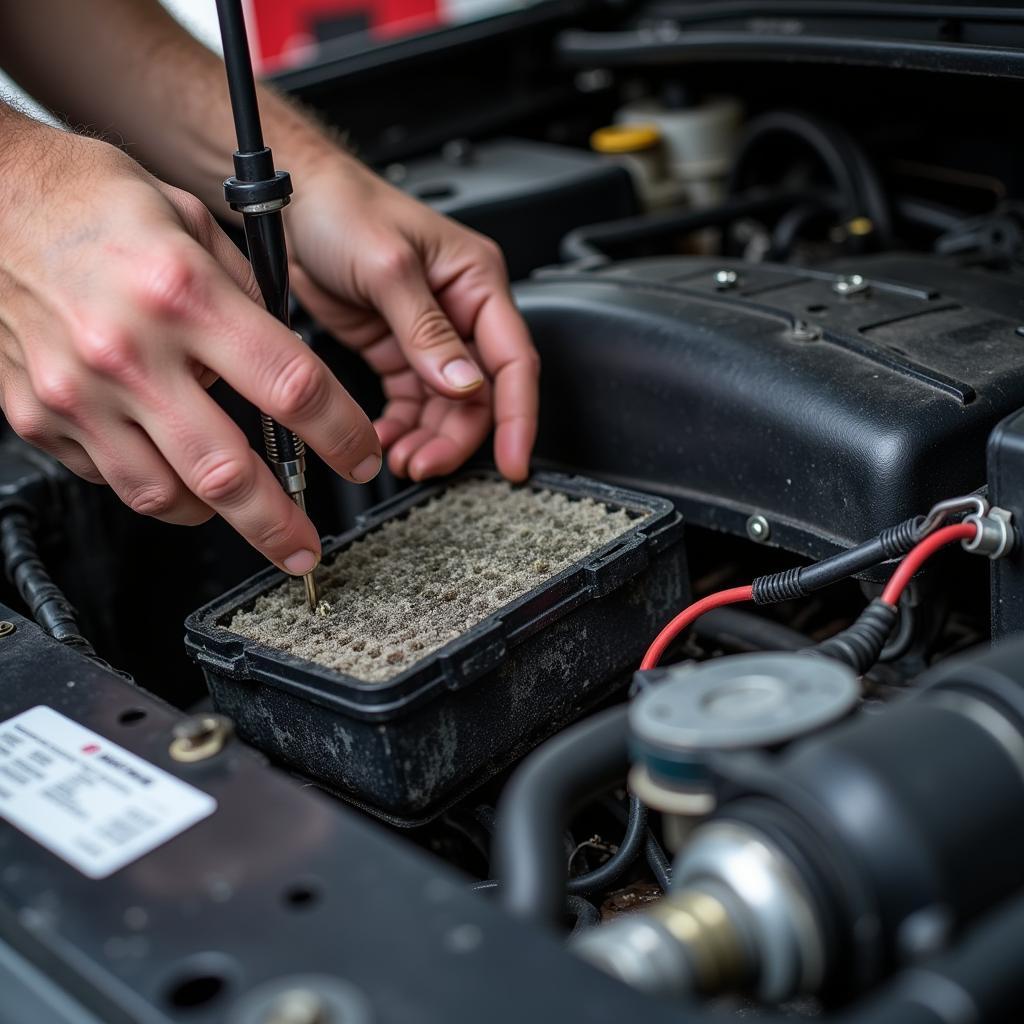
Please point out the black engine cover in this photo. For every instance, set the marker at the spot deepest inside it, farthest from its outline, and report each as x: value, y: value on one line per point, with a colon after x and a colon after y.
x: 831, y: 413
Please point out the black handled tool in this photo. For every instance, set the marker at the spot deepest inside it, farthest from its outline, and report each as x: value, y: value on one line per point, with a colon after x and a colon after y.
x: 259, y: 193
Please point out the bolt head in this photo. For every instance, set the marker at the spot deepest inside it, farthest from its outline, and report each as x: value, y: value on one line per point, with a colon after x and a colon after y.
x: 200, y: 736
x: 298, y: 1006
x: 852, y: 284
x: 758, y: 529
x: 726, y: 279
x: 803, y: 331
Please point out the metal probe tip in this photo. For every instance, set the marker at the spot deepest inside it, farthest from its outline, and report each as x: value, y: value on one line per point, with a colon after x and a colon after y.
x: 312, y: 596
x: 309, y: 580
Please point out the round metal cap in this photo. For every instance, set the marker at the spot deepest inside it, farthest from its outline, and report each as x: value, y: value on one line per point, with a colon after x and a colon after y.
x: 744, y: 701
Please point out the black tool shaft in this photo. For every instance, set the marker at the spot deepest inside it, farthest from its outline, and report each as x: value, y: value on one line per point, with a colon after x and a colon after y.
x: 259, y: 193
x: 241, y: 80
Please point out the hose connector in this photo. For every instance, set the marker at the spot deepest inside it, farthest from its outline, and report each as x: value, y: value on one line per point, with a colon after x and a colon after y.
x: 995, y: 537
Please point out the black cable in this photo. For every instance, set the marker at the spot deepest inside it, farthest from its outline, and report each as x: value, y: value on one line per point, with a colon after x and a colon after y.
x: 585, y: 913
x: 860, y: 644
x: 734, y: 625
x: 902, y: 638
x: 576, y: 765
x: 618, y: 864
x: 844, y: 159
x: 658, y: 862
x: 590, y: 242
x: 790, y: 226
x: 25, y: 569
x: 790, y: 584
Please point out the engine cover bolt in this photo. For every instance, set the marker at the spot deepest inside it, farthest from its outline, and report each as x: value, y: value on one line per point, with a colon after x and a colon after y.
x: 853, y: 284
x: 725, y: 280
x: 298, y: 1006
x: 758, y: 529
x: 803, y: 331
x: 200, y: 737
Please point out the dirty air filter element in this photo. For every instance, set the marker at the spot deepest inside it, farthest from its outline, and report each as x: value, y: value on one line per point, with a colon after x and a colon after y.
x: 467, y: 621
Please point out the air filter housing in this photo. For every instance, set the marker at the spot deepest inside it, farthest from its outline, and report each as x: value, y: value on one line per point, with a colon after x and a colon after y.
x: 468, y: 621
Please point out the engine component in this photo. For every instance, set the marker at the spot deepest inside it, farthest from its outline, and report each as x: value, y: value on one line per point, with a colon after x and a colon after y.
x: 820, y: 410
x: 280, y: 892
x: 836, y: 863
x: 641, y: 150
x: 454, y: 718
x: 699, y: 140
x: 1006, y: 487
x: 525, y: 195
x: 746, y: 702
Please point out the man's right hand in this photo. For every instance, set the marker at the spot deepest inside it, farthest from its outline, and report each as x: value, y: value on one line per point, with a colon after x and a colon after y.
x: 120, y: 302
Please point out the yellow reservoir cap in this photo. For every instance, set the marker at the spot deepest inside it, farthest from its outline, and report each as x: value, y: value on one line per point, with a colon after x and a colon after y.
x: 625, y: 138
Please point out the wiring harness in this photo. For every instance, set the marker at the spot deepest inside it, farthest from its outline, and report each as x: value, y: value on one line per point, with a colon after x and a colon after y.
x: 985, y: 531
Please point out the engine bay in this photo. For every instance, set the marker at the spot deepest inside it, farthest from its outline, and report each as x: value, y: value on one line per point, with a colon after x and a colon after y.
x: 721, y: 715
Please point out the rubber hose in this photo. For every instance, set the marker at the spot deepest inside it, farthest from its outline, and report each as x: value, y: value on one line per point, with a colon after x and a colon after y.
x: 574, y: 766
x: 619, y: 863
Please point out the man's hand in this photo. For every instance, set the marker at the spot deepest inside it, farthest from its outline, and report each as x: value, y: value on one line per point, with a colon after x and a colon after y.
x: 426, y: 302
x: 415, y: 293
x: 120, y: 301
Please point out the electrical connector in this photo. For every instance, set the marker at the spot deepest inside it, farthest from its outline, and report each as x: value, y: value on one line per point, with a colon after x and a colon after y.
x: 995, y: 536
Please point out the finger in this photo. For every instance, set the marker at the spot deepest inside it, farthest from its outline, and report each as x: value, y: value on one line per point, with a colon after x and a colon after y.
x: 444, y: 438
x: 268, y: 365
x: 424, y: 332
x: 203, y: 227
x: 399, y: 417
x: 43, y: 430
x: 503, y: 342
x: 458, y: 434
x: 438, y: 457
x: 407, y: 446
x: 140, y: 476
x: 75, y: 457
x: 211, y: 455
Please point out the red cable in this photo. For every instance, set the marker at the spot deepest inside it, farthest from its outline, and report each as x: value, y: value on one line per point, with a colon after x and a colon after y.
x: 919, y: 554
x: 689, y: 616
x: 898, y: 582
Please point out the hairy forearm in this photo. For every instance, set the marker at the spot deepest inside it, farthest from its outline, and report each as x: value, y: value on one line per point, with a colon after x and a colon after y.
x: 125, y: 70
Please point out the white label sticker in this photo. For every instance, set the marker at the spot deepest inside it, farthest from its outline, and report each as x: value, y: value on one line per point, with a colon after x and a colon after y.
x: 89, y: 801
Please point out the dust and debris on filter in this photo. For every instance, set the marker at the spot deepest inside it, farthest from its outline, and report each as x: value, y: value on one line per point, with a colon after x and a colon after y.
x: 417, y: 582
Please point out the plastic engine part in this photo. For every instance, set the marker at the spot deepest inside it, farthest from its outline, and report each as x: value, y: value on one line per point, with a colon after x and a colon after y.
x: 451, y: 720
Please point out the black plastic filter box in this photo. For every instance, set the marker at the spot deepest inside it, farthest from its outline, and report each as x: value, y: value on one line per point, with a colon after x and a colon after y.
x: 408, y: 747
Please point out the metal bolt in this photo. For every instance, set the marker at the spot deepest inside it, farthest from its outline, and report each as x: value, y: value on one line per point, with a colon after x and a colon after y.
x: 200, y: 737
x: 803, y: 331
x: 6, y: 628
x: 726, y: 279
x: 298, y: 1006
x: 758, y: 529
x: 459, y: 152
x: 854, y: 284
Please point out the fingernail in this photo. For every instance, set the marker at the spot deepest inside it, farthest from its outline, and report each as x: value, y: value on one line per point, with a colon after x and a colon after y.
x: 461, y: 373
x: 366, y: 470
x: 300, y: 563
